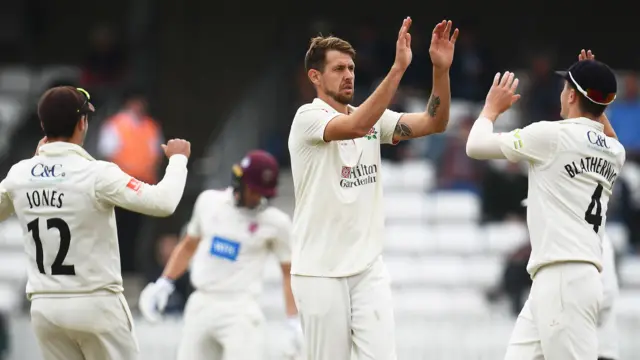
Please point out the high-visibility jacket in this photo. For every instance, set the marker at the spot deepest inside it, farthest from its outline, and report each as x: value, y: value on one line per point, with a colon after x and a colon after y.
x: 138, y: 153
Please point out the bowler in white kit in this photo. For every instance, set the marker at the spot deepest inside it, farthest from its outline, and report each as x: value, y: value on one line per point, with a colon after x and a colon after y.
x: 573, y: 165
x: 230, y: 237
x: 64, y: 200
x: 340, y: 283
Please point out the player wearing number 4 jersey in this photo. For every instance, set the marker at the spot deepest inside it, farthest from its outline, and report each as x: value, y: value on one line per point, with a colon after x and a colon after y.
x: 64, y: 200
x: 574, y: 164
x: 608, y: 348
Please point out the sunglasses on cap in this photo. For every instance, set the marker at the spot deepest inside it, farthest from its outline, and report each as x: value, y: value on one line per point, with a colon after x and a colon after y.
x: 596, y: 97
x: 86, y: 106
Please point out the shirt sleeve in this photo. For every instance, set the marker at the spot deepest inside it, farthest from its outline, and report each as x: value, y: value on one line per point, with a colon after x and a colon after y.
x: 194, y: 228
x: 6, y: 204
x: 114, y: 186
x: 309, y: 124
x: 388, y: 122
x: 482, y: 142
x: 622, y: 157
x: 281, y: 245
x: 535, y: 143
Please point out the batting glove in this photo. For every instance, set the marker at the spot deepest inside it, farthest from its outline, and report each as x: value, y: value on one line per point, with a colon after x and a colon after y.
x: 154, y: 297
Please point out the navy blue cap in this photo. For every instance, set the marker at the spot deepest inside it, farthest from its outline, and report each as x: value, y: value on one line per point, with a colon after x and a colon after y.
x: 593, y: 79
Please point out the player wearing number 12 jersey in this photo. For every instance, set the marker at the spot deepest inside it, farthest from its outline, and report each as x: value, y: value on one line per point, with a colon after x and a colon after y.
x: 573, y: 166
x: 64, y: 200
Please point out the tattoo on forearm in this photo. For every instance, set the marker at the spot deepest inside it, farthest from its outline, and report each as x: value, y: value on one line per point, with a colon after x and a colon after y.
x: 402, y: 130
x: 434, y: 104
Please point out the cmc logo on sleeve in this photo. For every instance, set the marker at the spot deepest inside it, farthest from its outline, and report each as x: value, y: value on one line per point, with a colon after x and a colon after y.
x: 225, y: 248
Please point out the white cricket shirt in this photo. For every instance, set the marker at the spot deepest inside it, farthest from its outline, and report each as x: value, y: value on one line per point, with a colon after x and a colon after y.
x: 64, y: 200
x: 573, y: 167
x: 338, y: 222
x: 235, y: 243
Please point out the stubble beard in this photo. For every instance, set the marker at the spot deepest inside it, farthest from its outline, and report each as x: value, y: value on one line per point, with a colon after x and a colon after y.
x: 342, y: 99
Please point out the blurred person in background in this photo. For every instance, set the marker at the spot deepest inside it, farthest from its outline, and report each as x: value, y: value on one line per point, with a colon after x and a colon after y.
x: 340, y: 281
x: 625, y: 117
x: 64, y: 200
x: 503, y: 189
x: 230, y: 237
x: 418, y: 77
x: 299, y: 90
x: 515, y: 281
x: 105, y: 65
x: 456, y: 171
x: 369, y: 53
x: 469, y: 69
x: 164, y: 247
x: 630, y: 204
x: 542, y: 92
x: 131, y: 139
x: 503, y: 186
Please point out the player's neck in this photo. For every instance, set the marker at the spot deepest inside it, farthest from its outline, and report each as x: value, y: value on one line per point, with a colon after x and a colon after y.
x: 242, y: 203
x: 339, y: 107
x: 72, y: 140
x: 576, y: 113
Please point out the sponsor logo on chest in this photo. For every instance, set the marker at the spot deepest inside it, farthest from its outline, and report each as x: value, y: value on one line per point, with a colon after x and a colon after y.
x: 225, y: 248
x: 361, y: 174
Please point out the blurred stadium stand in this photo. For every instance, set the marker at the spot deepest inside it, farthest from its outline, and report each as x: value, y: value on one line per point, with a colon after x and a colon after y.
x: 228, y: 84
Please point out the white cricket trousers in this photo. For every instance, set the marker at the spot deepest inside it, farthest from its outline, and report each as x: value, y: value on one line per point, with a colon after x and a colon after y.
x: 97, y: 326
x: 607, y: 325
x: 608, y: 334
x: 559, y: 320
x: 349, y: 313
x: 222, y: 327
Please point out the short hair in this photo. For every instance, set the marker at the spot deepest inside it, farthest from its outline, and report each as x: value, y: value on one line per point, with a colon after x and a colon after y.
x: 318, y: 48
x: 59, y: 110
x: 585, y: 105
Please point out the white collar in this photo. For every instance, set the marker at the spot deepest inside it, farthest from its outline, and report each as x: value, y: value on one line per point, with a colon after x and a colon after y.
x: 58, y: 148
x: 584, y: 121
x: 323, y: 104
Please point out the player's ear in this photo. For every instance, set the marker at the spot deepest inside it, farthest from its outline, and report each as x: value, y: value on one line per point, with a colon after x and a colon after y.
x: 314, y: 76
x: 82, y: 124
x: 573, y: 97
